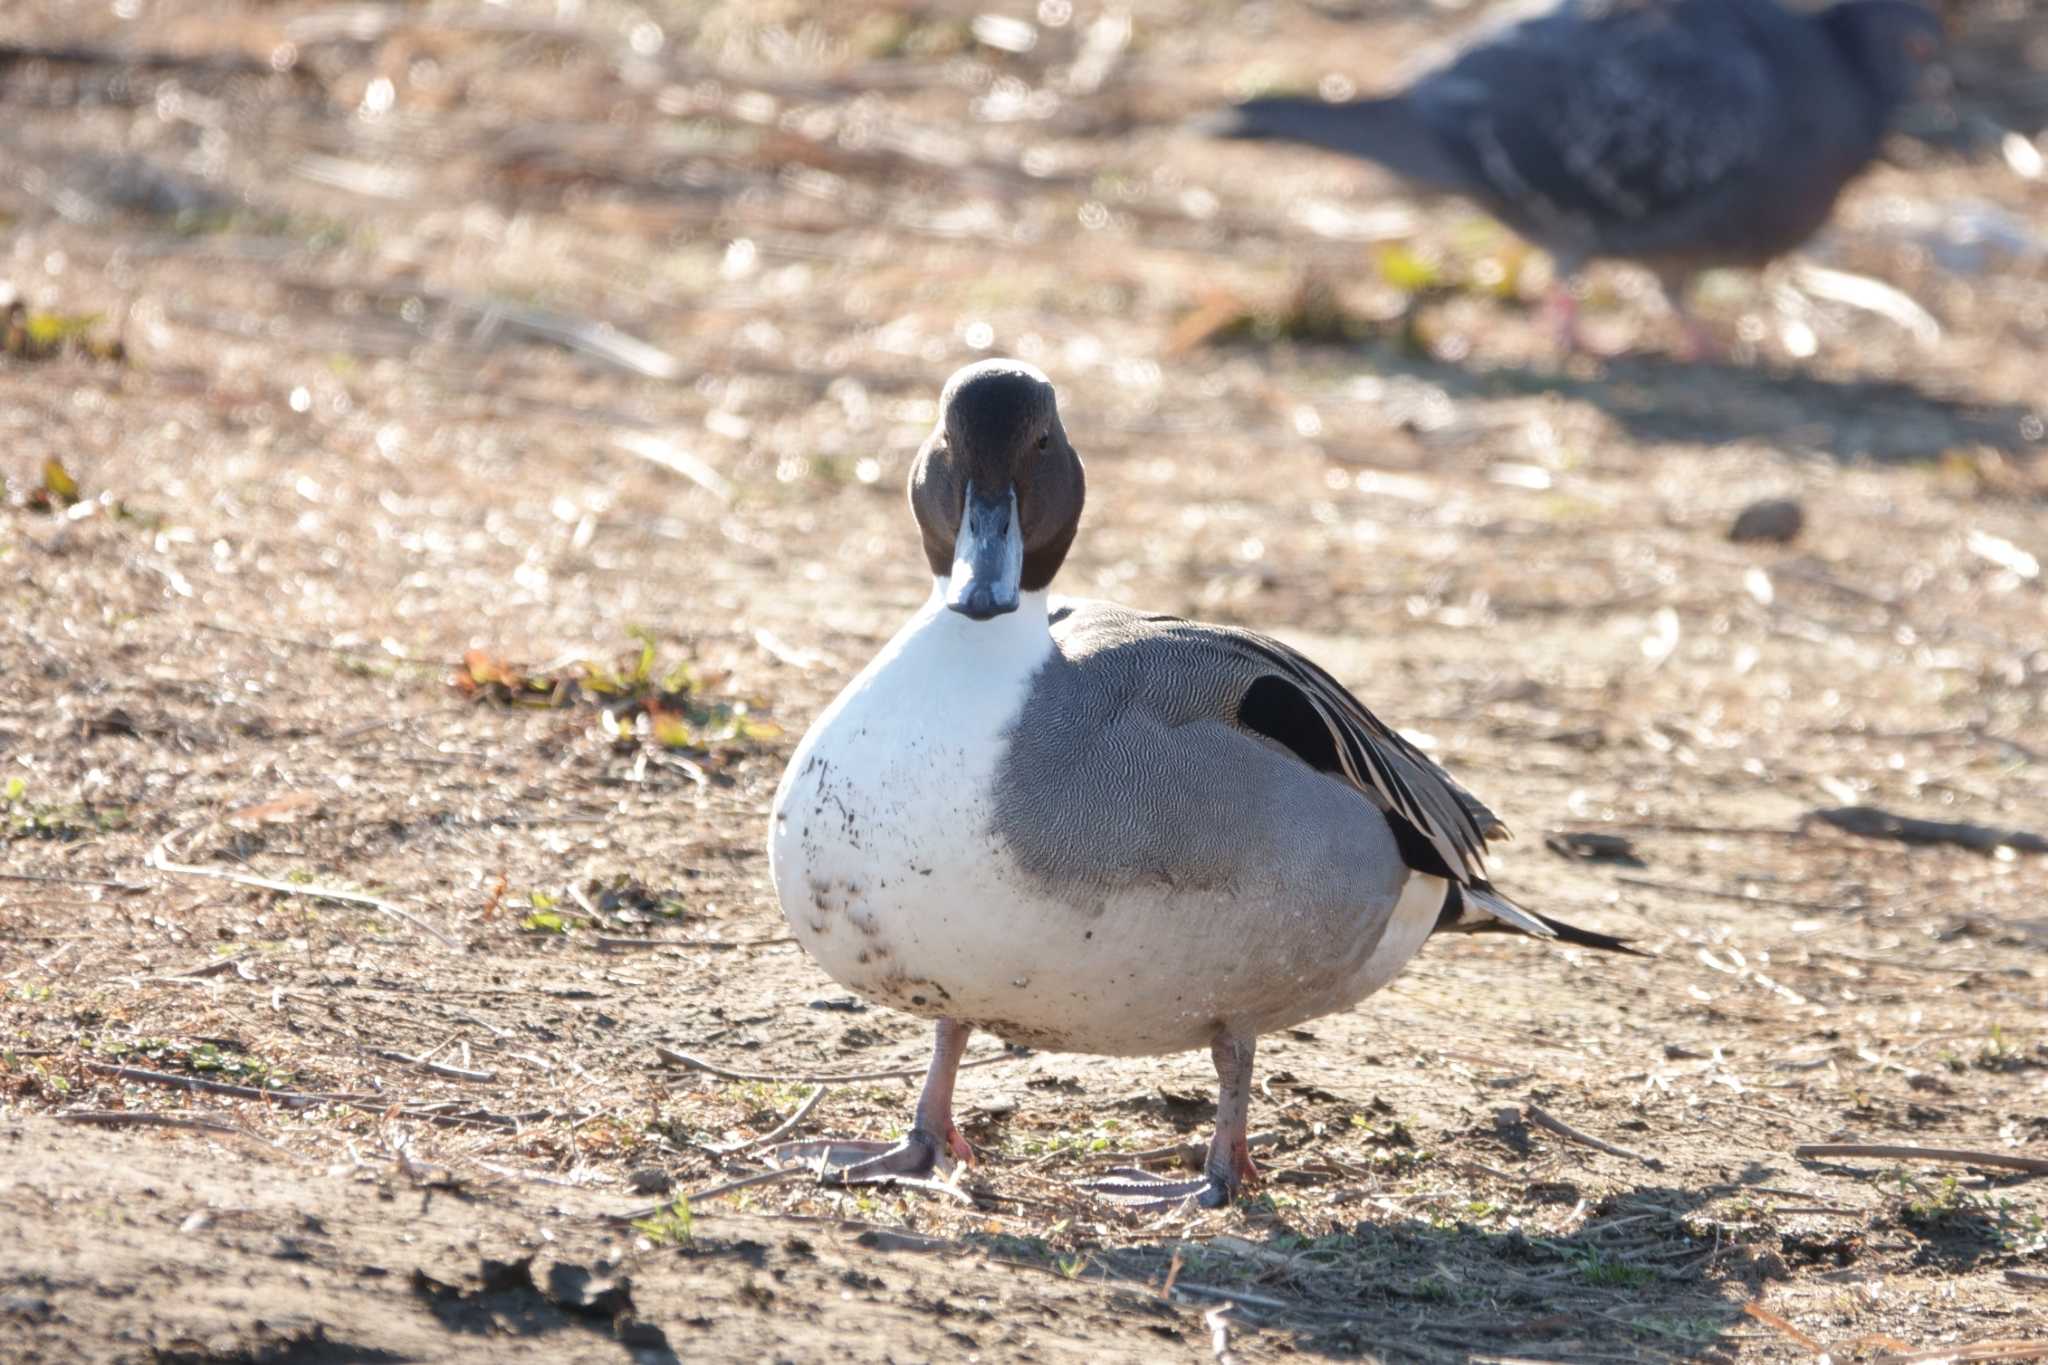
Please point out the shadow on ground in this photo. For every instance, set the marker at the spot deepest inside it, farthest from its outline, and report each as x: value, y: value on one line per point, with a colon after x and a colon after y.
x: 1635, y: 1277
x: 1661, y: 399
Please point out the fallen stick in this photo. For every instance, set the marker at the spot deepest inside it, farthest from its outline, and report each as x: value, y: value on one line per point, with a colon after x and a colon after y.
x: 2033, y: 1165
x: 2026, y: 1279
x: 299, y: 1099
x: 781, y: 1130
x: 1779, y: 1324
x: 1968, y: 1351
x: 156, y: 859
x: 142, y: 1118
x: 1186, y: 1153
x: 1869, y: 822
x: 684, y: 1059
x: 1558, y: 1126
x: 72, y: 881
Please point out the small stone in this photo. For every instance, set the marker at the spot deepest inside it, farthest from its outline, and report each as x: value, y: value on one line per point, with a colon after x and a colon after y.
x: 649, y: 1180
x: 1778, y: 520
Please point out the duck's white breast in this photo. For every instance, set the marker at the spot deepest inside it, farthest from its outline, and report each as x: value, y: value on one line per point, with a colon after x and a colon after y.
x: 881, y: 841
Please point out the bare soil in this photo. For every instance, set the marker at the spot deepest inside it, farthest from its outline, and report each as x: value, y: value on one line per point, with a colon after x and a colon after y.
x: 488, y: 427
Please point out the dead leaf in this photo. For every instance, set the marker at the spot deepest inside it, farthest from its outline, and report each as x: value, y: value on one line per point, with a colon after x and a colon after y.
x: 281, y: 810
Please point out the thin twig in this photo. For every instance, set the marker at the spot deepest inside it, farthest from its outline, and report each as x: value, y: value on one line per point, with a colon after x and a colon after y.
x: 134, y: 1118
x: 72, y: 881
x: 2026, y: 1279
x: 157, y: 859
x: 299, y: 1099
x: 303, y: 643
x: 613, y: 943
x: 2009, y: 1161
x: 1542, y: 1119
x: 453, y: 1073
x: 1183, y: 1152
x: 1970, y: 1351
x: 1233, y: 1295
x: 291, y: 1098
x: 714, y: 1192
x: 684, y: 1059
x: 142, y: 1118
x: 780, y: 1131
x: 1728, y: 831
x: 1871, y: 959
x: 217, y: 967
x: 1708, y: 893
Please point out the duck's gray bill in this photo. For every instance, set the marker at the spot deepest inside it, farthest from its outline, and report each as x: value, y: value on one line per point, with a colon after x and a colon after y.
x: 988, y: 558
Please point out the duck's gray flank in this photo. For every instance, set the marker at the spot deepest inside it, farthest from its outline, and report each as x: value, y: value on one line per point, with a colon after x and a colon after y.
x: 1150, y: 742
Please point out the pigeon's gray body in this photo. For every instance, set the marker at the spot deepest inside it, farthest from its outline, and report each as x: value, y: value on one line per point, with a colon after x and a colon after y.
x: 1680, y: 133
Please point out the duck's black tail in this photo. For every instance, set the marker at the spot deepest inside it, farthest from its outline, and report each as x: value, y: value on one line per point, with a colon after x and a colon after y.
x: 1483, y: 910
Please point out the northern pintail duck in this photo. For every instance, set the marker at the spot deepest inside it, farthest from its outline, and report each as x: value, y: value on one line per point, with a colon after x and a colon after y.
x: 1091, y: 829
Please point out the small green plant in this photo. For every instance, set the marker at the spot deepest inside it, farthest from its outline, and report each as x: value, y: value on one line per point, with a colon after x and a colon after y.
x: 1932, y: 1206
x: 545, y: 919
x: 672, y: 1227
x: 1596, y: 1267
x: 21, y: 818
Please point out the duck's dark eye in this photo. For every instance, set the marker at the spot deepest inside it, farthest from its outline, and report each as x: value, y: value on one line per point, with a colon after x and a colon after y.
x: 1044, y: 441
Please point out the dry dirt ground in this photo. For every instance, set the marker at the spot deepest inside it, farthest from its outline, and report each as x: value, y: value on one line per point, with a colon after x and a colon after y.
x: 488, y: 425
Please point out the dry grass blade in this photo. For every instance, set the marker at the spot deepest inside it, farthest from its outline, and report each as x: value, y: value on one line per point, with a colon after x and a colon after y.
x: 676, y: 460
x: 161, y: 863
x: 1217, y: 1320
x: 684, y: 1059
x: 2008, y: 1161
x: 1973, y: 1351
x: 599, y: 340
x: 1772, y: 1320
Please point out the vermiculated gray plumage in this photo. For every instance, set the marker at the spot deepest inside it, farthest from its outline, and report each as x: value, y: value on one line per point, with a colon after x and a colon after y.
x: 1111, y: 775
x: 1683, y: 134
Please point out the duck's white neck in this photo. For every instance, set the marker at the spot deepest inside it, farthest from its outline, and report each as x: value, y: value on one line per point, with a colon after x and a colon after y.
x: 1029, y: 625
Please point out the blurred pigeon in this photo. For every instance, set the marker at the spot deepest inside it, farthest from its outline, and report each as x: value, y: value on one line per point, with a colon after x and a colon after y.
x: 1681, y: 134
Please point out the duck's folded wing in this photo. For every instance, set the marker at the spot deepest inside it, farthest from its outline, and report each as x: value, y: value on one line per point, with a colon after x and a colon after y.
x: 1296, y: 704
x: 1441, y: 828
